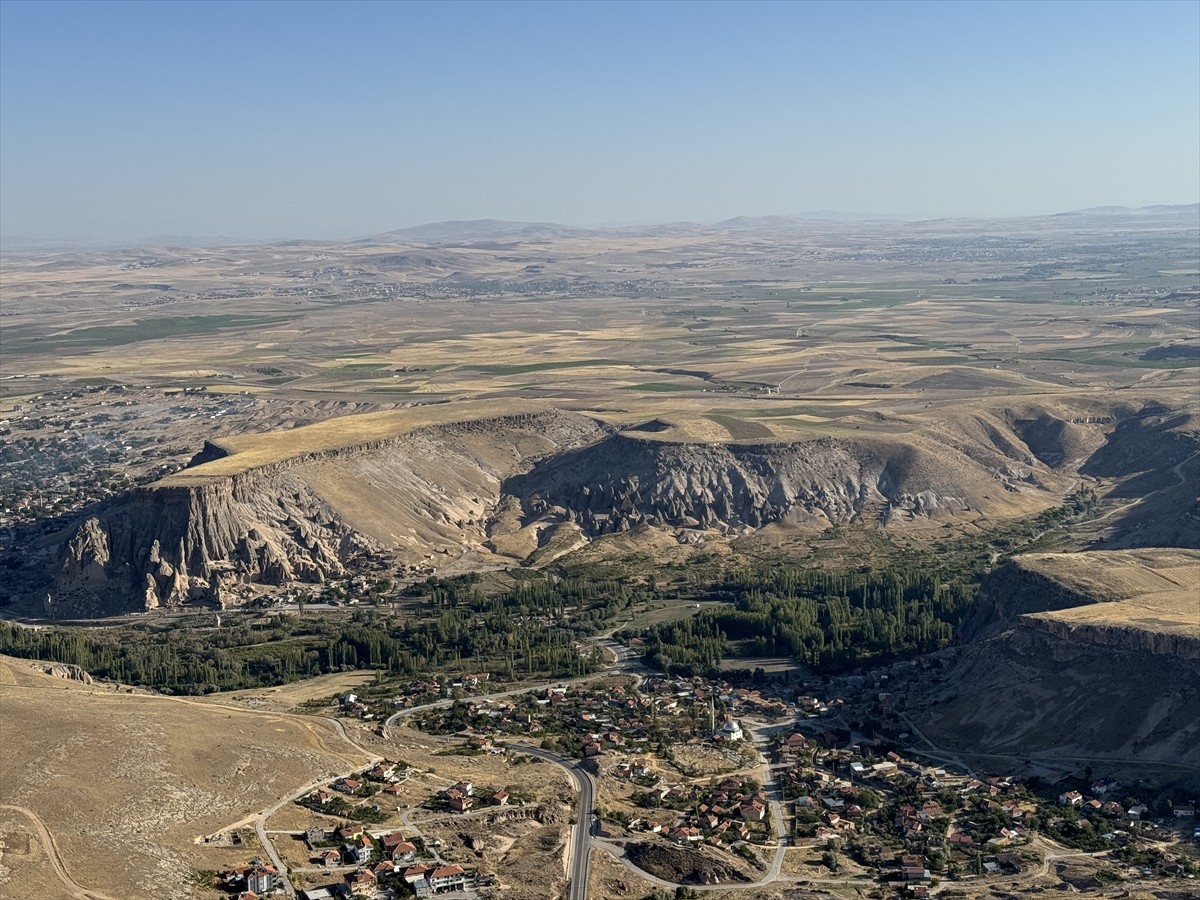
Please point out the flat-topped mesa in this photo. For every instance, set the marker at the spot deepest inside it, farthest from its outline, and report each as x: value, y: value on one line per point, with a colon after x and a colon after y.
x: 1147, y: 599
x: 1060, y: 641
x: 355, y: 433
x: 636, y: 477
x: 281, y: 508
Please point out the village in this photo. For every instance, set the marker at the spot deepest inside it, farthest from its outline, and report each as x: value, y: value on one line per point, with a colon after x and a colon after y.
x: 697, y: 765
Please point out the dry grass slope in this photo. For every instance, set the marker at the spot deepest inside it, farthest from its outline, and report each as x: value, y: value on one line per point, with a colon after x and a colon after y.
x: 126, y: 781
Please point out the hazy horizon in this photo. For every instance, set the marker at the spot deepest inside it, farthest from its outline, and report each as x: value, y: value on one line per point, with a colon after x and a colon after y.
x: 253, y: 121
x: 12, y: 242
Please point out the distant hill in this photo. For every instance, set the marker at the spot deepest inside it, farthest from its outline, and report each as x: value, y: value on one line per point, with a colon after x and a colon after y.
x: 483, y: 230
x: 1160, y: 209
x: 478, y: 231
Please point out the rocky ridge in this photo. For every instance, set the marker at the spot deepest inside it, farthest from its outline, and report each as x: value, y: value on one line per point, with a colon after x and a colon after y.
x: 531, y: 485
x: 1090, y: 654
x: 172, y: 543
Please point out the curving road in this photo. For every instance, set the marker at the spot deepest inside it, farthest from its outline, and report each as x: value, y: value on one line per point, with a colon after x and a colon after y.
x: 77, y: 891
x: 577, y: 867
x: 624, y: 664
x: 581, y: 832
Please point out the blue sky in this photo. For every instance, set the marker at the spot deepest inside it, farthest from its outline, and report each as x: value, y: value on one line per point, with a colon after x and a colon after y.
x: 275, y: 120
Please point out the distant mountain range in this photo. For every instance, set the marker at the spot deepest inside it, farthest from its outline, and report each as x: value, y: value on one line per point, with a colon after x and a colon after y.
x: 477, y: 231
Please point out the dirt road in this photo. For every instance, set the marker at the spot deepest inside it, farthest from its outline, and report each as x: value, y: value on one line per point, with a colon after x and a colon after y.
x: 77, y: 890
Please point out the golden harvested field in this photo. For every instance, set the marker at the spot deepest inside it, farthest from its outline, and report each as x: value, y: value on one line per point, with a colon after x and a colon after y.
x: 1152, y: 590
x: 253, y: 451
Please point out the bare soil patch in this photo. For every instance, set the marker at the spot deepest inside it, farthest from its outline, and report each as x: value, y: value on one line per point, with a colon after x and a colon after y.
x: 680, y: 865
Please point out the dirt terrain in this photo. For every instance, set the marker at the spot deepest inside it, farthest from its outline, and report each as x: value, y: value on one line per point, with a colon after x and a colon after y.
x: 124, y: 781
x: 680, y: 865
x: 1087, y: 654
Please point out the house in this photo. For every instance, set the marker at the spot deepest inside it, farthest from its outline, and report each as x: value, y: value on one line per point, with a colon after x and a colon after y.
x: 347, y: 785
x: 914, y: 873
x: 404, y: 852
x: 459, y: 803
x: 382, y: 772
x: 1137, y: 811
x: 362, y: 882
x: 416, y: 873
x: 500, y: 798
x: 397, y: 848
x: 795, y: 742
x: 1070, y: 798
x: 316, y: 835
x: 331, y: 859
x: 754, y: 811
x: 1184, y: 810
x: 247, y: 895
x: 1010, y: 864
x: 464, y: 787
x: 686, y: 835
x: 447, y: 878
x: 261, y: 879
x: 361, y: 850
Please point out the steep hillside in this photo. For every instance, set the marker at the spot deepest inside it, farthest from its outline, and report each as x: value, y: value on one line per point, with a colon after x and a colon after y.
x: 628, y: 480
x: 462, y: 486
x: 1088, y: 655
x: 202, y: 536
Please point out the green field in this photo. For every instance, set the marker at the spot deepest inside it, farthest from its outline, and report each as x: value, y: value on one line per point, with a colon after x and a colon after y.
x: 152, y: 329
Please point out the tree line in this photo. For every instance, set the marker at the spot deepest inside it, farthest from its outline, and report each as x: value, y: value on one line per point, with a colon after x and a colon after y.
x: 830, y: 621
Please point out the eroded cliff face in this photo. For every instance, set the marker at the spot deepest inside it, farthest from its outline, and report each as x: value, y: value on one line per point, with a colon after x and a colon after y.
x: 166, y: 546
x: 1010, y: 592
x: 1116, y: 635
x: 626, y: 481
x: 1077, y: 655
x: 530, y: 486
x: 1032, y: 692
x: 305, y: 520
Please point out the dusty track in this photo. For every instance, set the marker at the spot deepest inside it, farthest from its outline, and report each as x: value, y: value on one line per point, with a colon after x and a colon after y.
x: 76, y: 889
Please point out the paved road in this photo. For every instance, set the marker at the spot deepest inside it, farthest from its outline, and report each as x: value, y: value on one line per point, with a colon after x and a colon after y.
x: 624, y: 662
x: 260, y: 822
x: 581, y: 831
x: 774, y: 792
